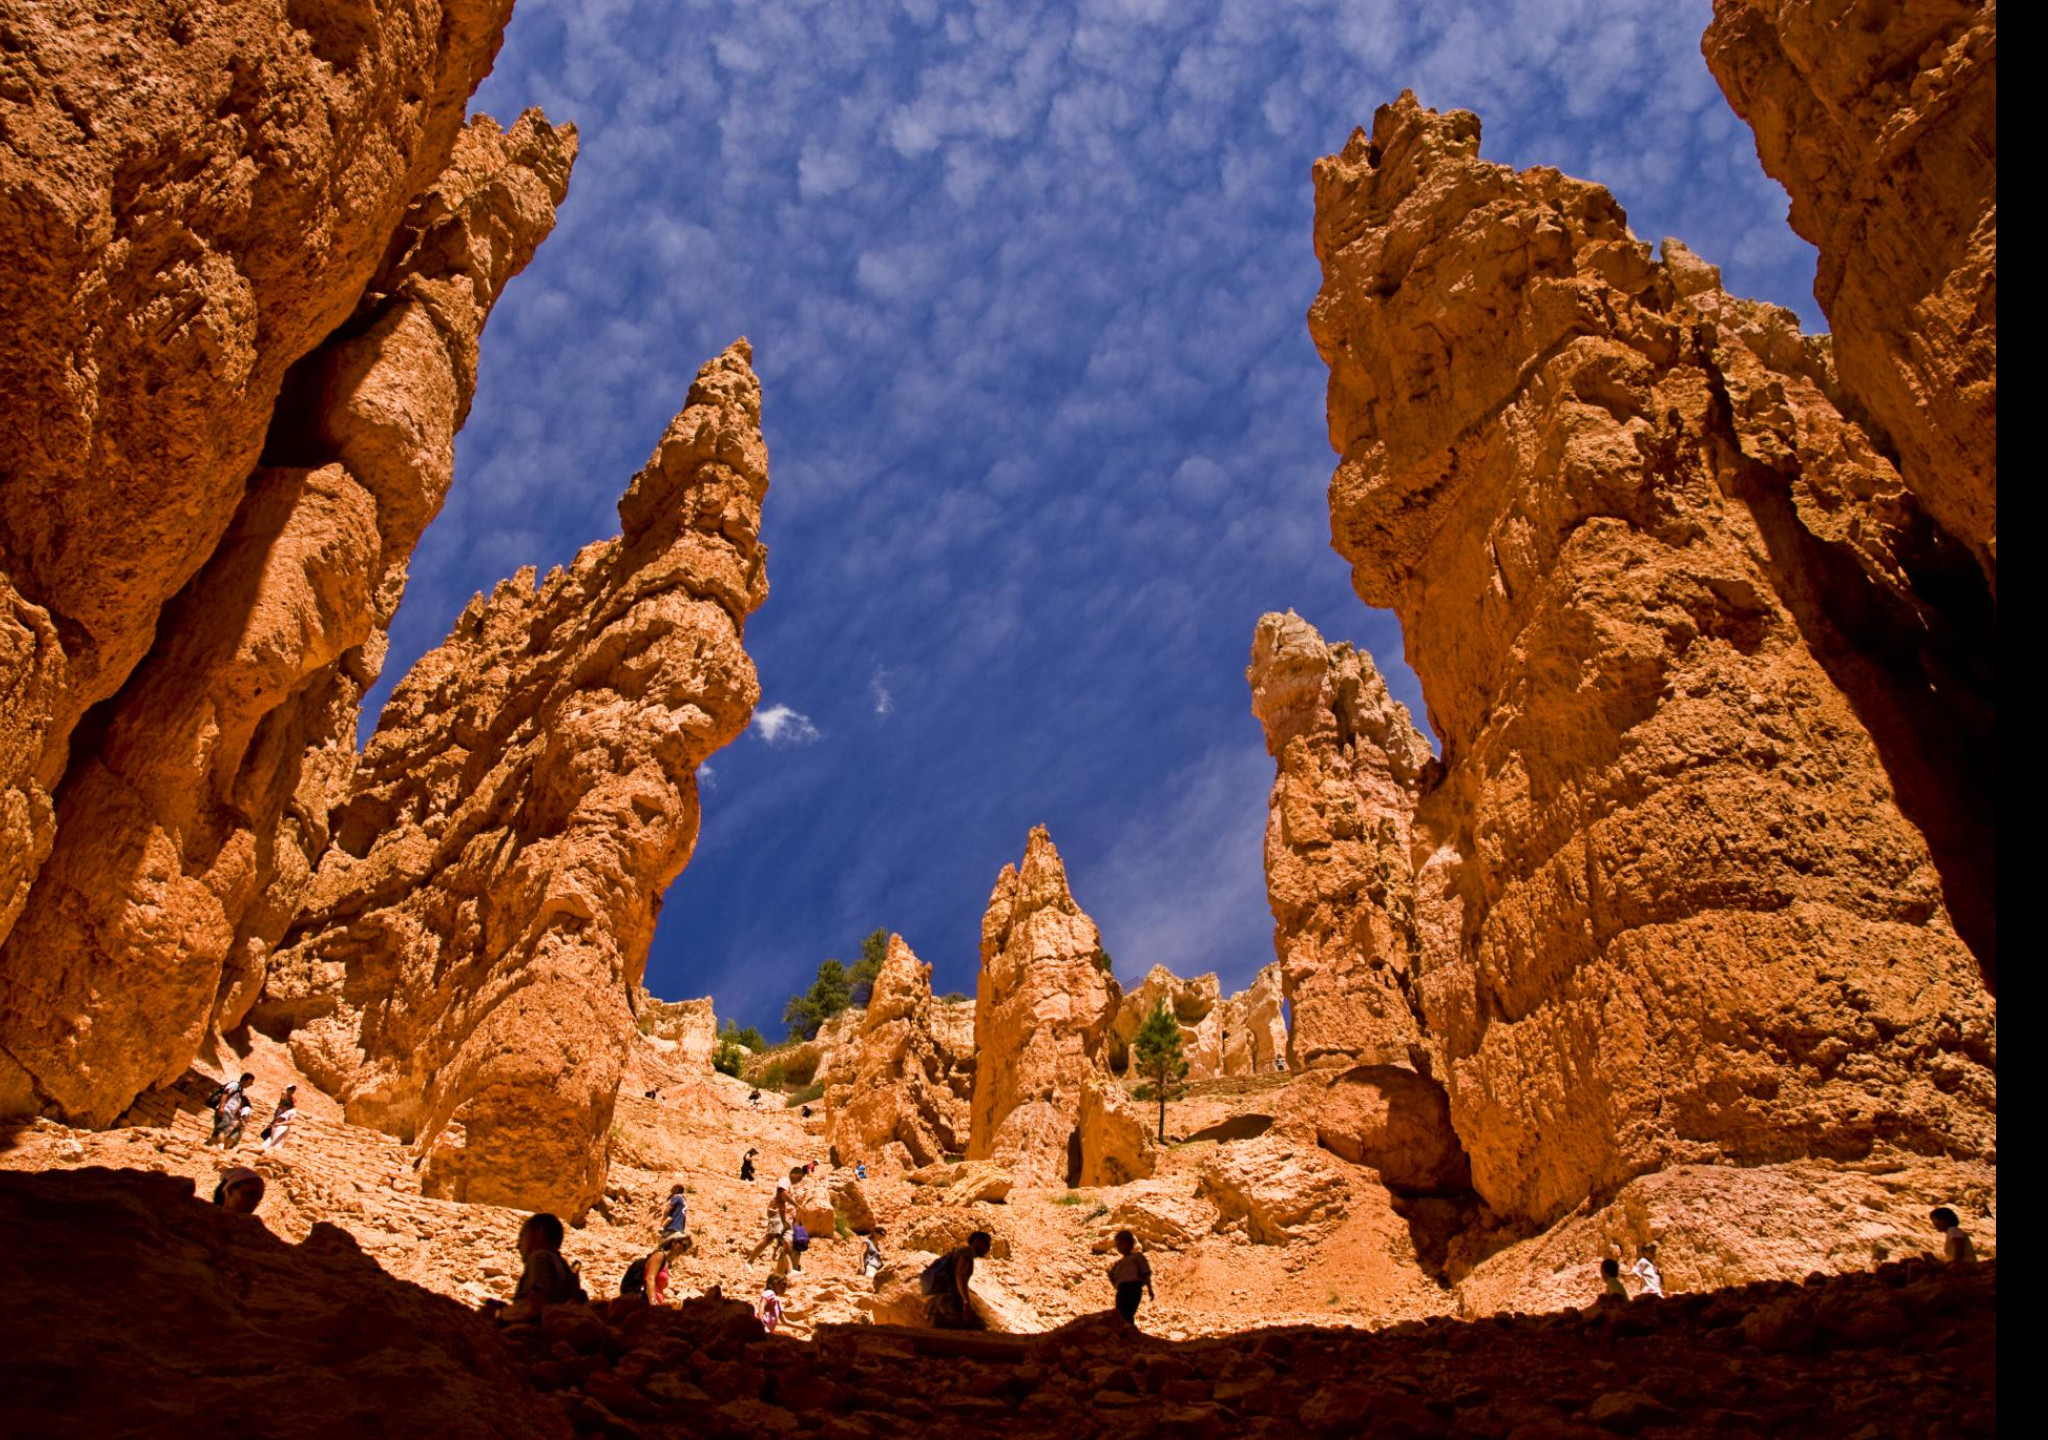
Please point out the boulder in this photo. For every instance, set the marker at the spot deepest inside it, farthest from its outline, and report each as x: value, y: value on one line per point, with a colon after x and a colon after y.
x: 1274, y: 1191
x: 1116, y: 1145
x: 1398, y: 1123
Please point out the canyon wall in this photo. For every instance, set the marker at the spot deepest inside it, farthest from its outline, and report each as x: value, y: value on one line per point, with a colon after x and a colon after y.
x: 459, y: 973
x: 1881, y: 120
x: 901, y: 1093
x: 1339, y: 875
x: 1044, y: 1006
x: 1667, y: 906
x: 198, y: 200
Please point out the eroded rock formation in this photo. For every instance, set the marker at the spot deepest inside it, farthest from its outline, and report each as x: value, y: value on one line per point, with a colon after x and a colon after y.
x: 191, y: 817
x: 459, y: 975
x: 900, y: 1095
x: 1043, y: 1010
x: 1339, y: 870
x: 198, y: 196
x: 1253, y: 1033
x: 1881, y: 120
x: 1667, y: 906
x: 1195, y: 1003
x: 687, y: 1029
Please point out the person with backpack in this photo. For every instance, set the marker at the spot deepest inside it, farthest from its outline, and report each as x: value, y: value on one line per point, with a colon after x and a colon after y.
x: 1132, y: 1277
x: 547, y: 1278
x: 799, y: 1241
x: 649, y: 1276
x: 677, y: 1220
x: 769, y: 1308
x: 230, y: 1102
x: 281, y: 1119
x: 747, y: 1165
x: 945, y: 1281
x: 781, y: 1215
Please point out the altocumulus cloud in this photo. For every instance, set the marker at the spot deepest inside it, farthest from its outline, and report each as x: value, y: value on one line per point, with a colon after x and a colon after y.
x: 1025, y: 281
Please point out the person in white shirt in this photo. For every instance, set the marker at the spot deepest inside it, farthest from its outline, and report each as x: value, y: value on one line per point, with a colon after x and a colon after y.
x: 1646, y: 1271
x: 1957, y: 1248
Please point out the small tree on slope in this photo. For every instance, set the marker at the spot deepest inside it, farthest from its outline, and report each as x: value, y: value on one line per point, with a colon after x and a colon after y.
x: 1160, y: 1061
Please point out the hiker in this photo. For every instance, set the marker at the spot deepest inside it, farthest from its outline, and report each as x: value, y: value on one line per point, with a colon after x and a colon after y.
x: 1132, y: 1276
x: 281, y: 1119
x: 769, y: 1310
x: 240, y: 1191
x: 230, y: 1108
x: 755, y: 1099
x: 649, y: 1276
x: 871, y: 1254
x: 678, y: 1218
x: 860, y: 1170
x: 807, y: 1112
x: 781, y: 1214
x: 655, y: 1093
x: 747, y: 1165
x: 547, y: 1278
x: 945, y: 1280
x: 1610, y: 1279
x: 1646, y: 1271
x: 1957, y: 1248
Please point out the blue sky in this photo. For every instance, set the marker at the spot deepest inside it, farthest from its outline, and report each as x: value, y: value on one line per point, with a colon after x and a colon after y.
x: 1026, y: 286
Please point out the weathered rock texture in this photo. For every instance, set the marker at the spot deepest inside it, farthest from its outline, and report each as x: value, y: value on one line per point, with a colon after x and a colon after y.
x: 1339, y: 871
x: 192, y: 814
x: 901, y: 1095
x: 1667, y: 907
x: 1043, y: 1010
x: 1881, y: 120
x: 1253, y: 1034
x: 459, y: 976
x: 689, y: 1026
x: 196, y: 198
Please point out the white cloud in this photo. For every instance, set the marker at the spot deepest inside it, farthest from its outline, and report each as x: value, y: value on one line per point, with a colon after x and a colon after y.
x: 780, y: 725
x: 878, y: 691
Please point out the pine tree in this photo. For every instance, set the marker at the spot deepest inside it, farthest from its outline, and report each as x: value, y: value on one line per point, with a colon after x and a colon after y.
x: 1160, y: 1058
x: 873, y: 951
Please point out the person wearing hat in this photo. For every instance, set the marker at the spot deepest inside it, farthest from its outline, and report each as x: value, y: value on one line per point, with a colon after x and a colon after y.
x: 240, y: 1190
x: 281, y: 1119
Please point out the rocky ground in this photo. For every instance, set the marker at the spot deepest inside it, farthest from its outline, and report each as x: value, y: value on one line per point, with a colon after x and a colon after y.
x: 137, y: 1309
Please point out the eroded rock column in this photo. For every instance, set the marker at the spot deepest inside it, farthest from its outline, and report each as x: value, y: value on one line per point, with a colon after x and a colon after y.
x: 902, y: 1097
x: 460, y: 973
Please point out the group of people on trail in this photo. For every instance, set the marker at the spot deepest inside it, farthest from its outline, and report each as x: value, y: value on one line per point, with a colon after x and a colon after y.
x: 232, y: 1106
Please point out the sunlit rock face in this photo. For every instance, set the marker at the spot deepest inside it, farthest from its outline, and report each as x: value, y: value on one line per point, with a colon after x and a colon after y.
x: 1667, y: 907
x: 460, y: 972
x: 900, y: 1088
x: 1044, y: 1009
x: 198, y: 552
x: 1339, y: 868
x: 1881, y: 120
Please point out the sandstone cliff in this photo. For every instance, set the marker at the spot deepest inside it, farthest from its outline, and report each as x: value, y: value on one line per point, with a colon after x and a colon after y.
x: 197, y: 196
x: 685, y: 1030
x: 1043, y: 1009
x: 1338, y: 870
x: 900, y: 1096
x: 1667, y: 906
x: 459, y: 975
x: 1881, y: 120
x: 191, y: 817
x: 1241, y: 1034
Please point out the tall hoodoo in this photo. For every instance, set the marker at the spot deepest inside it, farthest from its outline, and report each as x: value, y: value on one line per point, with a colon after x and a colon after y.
x: 194, y: 572
x: 1339, y: 874
x: 1043, y: 1010
x: 1881, y: 120
x: 461, y: 971
x: 1671, y: 909
x: 902, y: 1095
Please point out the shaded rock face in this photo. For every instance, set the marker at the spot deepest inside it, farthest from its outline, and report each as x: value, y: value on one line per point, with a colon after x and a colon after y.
x: 1398, y: 1123
x: 459, y: 975
x: 192, y: 815
x: 1339, y: 871
x: 900, y: 1092
x: 1667, y: 908
x: 1043, y: 1010
x: 197, y: 197
x: 1881, y: 120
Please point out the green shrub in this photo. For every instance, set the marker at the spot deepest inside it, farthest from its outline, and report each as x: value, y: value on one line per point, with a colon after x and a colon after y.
x: 954, y: 997
x: 727, y: 1057
x: 771, y: 1078
x: 806, y: 1095
x: 1072, y: 1197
